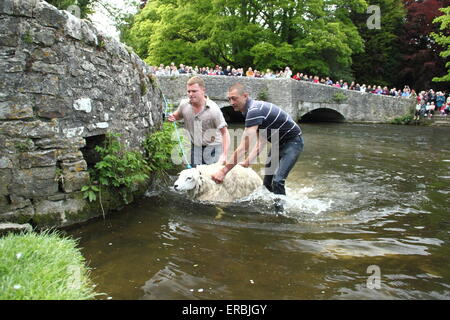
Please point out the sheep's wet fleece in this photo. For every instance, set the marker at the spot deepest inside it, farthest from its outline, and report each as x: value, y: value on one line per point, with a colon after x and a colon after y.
x: 238, y: 183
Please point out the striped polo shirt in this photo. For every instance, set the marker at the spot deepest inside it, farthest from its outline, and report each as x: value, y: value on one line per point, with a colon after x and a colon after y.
x: 272, y: 118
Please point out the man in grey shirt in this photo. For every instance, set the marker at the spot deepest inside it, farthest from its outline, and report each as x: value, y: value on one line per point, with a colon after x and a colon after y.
x: 204, y: 121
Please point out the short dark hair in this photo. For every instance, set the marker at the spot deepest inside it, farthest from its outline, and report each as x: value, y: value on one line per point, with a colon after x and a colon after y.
x: 239, y: 87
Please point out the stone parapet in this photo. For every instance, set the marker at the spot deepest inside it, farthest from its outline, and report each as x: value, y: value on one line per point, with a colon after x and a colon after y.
x: 298, y: 98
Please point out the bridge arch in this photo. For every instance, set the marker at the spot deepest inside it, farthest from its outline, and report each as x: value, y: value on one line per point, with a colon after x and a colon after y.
x: 232, y: 116
x: 322, y: 115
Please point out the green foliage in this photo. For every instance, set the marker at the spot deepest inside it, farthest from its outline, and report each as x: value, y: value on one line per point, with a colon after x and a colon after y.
x: 44, y: 266
x: 381, y: 46
x: 406, y: 119
x: 159, y: 147
x: 263, y: 95
x: 339, y: 97
x: 86, y: 6
x: 443, y: 39
x: 90, y: 192
x: 28, y: 37
x: 117, y: 168
x: 25, y: 145
x: 306, y: 35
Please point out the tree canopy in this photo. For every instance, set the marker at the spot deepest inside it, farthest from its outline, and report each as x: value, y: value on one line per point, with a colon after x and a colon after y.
x: 317, y: 36
x: 420, y: 59
x: 443, y: 38
x: 382, y: 46
x: 320, y: 37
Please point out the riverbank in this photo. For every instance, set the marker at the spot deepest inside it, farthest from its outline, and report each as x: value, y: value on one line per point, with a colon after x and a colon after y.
x: 43, y: 266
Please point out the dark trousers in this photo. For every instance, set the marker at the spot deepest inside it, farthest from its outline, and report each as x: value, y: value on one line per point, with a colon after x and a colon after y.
x: 205, y: 154
x: 288, y: 154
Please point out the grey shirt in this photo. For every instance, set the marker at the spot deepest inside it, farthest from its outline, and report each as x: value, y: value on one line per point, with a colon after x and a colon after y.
x: 204, y: 126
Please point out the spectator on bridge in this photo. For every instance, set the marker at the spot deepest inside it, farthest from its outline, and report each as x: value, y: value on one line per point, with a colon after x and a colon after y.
x: 297, y: 76
x: 440, y: 100
x: 269, y: 74
x: 430, y: 109
x: 182, y: 69
x: 406, y: 92
x: 173, y: 71
x: 287, y: 73
x: 227, y: 71
x: 417, y: 111
x: 447, y: 108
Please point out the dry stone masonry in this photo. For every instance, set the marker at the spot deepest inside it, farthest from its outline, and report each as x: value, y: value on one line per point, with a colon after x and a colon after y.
x: 299, y: 98
x: 63, y: 86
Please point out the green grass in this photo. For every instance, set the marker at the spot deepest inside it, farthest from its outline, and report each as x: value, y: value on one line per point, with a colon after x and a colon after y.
x: 45, y: 266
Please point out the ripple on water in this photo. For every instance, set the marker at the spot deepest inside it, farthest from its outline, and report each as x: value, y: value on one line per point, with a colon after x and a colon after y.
x: 172, y: 282
x: 337, y: 249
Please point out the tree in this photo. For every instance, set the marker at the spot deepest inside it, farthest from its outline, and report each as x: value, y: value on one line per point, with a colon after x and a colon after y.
x: 443, y: 38
x: 315, y: 36
x: 381, y: 45
x: 420, y: 59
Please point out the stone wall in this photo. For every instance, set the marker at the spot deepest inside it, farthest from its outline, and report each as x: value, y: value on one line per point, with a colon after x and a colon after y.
x: 63, y: 85
x: 298, y: 98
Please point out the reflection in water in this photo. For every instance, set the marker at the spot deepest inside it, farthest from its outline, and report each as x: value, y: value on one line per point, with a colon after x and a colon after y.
x: 360, y: 196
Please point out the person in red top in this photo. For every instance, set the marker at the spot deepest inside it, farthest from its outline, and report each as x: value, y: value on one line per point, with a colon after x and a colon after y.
x: 298, y: 76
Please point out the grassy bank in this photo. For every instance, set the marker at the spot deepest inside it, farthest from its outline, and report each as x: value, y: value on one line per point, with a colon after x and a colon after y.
x: 43, y: 266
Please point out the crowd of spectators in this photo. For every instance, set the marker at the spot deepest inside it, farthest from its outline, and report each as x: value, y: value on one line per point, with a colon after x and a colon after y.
x: 427, y: 101
x: 430, y: 102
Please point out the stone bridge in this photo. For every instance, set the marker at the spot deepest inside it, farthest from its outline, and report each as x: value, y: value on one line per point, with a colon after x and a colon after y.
x: 304, y: 101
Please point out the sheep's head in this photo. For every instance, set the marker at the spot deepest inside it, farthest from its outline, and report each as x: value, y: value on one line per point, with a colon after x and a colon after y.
x: 188, y: 180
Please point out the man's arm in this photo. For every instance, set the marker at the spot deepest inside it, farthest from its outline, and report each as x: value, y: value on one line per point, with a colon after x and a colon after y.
x: 260, y: 143
x: 225, y: 145
x: 174, y: 116
x: 249, y: 135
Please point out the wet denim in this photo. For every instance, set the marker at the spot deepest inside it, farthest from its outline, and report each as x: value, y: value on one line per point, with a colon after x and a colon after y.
x: 289, y: 152
x: 205, y: 155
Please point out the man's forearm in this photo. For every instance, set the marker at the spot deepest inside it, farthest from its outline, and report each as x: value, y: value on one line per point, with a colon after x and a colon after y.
x: 225, y: 141
x: 255, y: 151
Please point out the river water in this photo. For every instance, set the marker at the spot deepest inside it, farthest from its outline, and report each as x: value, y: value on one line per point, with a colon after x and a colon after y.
x: 366, y: 217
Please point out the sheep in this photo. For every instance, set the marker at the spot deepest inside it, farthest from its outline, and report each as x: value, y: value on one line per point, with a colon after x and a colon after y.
x: 239, y: 183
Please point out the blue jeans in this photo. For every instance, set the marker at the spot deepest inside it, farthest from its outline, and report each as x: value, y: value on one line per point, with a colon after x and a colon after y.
x: 205, y: 154
x: 289, y: 152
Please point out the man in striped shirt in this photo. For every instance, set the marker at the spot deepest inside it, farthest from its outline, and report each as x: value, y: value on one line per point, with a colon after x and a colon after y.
x: 264, y: 122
